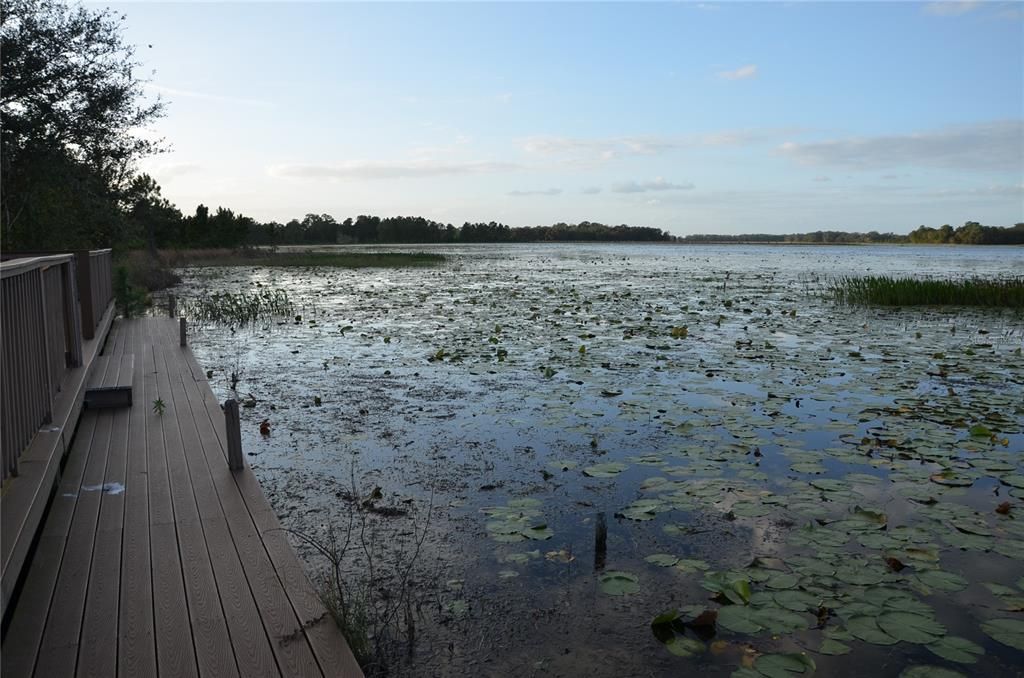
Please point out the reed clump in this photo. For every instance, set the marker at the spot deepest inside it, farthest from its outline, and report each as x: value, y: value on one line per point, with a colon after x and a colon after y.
x: 242, y: 308
x: 1007, y: 292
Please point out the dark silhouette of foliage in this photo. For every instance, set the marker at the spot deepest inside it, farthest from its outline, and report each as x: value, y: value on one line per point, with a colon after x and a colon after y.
x: 71, y: 106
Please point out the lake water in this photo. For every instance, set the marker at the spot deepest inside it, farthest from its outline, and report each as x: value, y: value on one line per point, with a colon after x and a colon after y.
x: 738, y: 433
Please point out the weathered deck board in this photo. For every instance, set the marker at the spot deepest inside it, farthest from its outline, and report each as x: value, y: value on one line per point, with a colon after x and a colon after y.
x: 184, y: 573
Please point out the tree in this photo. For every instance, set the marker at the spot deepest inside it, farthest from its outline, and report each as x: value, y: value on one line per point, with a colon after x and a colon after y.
x: 152, y: 216
x: 72, y: 108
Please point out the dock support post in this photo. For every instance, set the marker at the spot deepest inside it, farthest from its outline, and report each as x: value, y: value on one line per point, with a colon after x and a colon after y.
x: 182, y: 332
x: 233, y: 428
x: 600, y: 542
x: 172, y: 305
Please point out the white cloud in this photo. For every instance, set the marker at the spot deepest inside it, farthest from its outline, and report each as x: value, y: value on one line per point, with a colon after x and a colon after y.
x: 658, y: 184
x: 591, y: 190
x: 992, y: 191
x: 993, y: 145
x: 609, y: 148
x: 359, y: 170
x: 546, y: 191
x: 174, y: 92
x: 174, y: 170
x: 741, y: 73
x: 822, y: 178
x: 951, y: 7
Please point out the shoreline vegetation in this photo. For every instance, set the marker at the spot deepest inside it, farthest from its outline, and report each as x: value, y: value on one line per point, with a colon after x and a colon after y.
x: 253, y: 256
x: 887, y: 291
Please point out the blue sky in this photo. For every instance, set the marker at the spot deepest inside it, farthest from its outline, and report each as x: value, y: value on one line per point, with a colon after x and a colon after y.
x: 692, y: 117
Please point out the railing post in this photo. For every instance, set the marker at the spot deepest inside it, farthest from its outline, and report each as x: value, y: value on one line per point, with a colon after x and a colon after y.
x: 45, y: 343
x: 182, y: 332
x: 233, y: 428
x: 84, y: 260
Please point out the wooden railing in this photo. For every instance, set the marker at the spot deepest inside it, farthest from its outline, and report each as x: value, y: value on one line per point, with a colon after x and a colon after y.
x: 43, y: 325
x: 94, y: 268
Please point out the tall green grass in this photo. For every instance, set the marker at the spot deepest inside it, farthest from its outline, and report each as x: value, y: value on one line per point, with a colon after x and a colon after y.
x: 242, y: 308
x: 886, y: 291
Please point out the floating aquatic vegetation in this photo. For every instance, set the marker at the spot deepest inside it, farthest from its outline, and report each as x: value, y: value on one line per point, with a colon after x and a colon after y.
x: 616, y: 583
x: 868, y: 458
x: 239, y: 308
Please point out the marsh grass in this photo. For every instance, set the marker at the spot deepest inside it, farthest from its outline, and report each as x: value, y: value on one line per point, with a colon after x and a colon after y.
x: 374, y: 607
x: 262, y: 257
x: 243, y: 308
x: 886, y: 291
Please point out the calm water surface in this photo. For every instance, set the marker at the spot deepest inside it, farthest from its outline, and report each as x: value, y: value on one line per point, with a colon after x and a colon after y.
x: 731, y: 426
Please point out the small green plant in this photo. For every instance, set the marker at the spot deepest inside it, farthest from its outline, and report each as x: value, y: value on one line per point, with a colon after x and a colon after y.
x: 159, y: 406
x: 131, y: 300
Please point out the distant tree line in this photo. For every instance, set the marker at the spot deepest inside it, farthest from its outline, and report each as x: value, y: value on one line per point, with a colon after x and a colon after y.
x: 971, y: 233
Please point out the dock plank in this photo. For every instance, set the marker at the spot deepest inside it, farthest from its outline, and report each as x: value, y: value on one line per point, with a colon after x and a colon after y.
x: 187, y: 572
x: 136, y: 647
x: 209, y: 628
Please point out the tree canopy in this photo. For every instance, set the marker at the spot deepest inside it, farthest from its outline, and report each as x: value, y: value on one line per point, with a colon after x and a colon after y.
x: 73, y: 114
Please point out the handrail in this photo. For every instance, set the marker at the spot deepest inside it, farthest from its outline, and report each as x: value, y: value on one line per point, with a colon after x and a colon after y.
x: 43, y: 327
x: 16, y: 266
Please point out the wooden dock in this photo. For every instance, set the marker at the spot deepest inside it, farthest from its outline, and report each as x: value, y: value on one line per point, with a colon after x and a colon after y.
x: 155, y: 558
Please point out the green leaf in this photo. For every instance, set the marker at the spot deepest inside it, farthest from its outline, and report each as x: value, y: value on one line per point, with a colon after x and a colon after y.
x: 739, y: 619
x: 782, y: 580
x: 662, y: 559
x: 538, y: 532
x: 866, y: 629
x: 784, y: 665
x: 1006, y: 631
x: 912, y: 628
x: 833, y: 647
x: 692, y: 565
x: 619, y: 583
x: 929, y: 672
x: 778, y: 620
x: 942, y: 580
x: 665, y: 618
x: 606, y: 470
x: 798, y: 601
x: 957, y: 649
x: 681, y: 646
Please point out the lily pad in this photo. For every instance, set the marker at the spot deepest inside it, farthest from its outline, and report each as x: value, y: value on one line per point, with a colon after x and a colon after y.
x: 942, y: 580
x: 957, y: 649
x: 833, y: 647
x: 607, y: 470
x: 662, y: 559
x: 912, y: 628
x: 784, y: 665
x: 922, y: 671
x: 616, y: 583
x: 739, y: 619
x: 866, y: 629
x: 1006, y: 631
x: 681, y: 646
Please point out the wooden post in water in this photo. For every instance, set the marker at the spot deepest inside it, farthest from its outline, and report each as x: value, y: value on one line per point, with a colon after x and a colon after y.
x: 182, y: 332
x: 600, y: 542
x: 233, y: 428
x: 172, y: 305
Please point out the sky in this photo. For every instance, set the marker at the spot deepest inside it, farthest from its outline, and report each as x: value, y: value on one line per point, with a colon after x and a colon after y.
x: 764, y: 117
